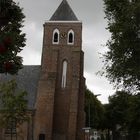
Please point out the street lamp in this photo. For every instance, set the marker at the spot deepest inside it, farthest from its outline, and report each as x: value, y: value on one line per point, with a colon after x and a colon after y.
x: 97, y: 95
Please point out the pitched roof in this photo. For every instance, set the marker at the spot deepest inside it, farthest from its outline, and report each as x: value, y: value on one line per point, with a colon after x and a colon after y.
x: 27, y: 79
x: 64, y: 13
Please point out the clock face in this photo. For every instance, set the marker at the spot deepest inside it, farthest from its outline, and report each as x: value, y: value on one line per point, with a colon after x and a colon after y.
x: 63, y: 35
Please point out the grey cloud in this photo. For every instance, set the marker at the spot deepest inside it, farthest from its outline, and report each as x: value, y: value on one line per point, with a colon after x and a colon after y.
x: 89, y: 11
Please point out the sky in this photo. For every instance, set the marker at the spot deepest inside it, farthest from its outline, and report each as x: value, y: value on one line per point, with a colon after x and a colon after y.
x: 95, y: 36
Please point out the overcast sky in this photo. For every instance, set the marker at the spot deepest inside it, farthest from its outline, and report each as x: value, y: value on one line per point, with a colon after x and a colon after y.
x: 91, y: 13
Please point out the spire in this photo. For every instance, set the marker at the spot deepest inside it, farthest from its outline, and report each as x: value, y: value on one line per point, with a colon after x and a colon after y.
x: 64, y: 13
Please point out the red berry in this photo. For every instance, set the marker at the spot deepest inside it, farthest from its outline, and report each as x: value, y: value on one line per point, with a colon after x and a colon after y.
x: 7, y: 41
x: 3, y: 49
x: 8, y: 66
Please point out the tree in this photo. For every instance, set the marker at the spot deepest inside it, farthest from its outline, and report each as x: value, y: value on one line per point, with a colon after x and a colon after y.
x: 12, y: 40
x: 94, y: 110
x: 122, y: 114
x: 134, y: 117
x: 122, y: 60
x: 117, y: 113
x: 13, y: 105
x: 118, y: 109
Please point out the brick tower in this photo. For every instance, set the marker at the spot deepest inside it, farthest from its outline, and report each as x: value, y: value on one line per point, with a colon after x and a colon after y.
x: 60, y: 98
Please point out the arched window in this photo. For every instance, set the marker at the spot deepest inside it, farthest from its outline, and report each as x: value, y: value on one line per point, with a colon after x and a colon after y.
x: 64, y: 74
x: 71, y: 37
x: 55, y: 36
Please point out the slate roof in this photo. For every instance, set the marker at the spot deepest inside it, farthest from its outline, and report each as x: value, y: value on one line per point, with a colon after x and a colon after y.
x: 27, y: 79
x: 64, y: 13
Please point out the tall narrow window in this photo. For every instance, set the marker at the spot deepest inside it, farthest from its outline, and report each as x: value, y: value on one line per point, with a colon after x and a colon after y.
x: 71, y: 37
x: 56, y: 36
x: 64, y: 74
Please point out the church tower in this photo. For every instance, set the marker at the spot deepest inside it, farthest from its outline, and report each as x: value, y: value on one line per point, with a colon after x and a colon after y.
x: 60, y: 99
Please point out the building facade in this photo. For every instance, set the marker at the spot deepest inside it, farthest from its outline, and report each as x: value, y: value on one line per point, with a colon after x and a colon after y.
x: 58, y: 104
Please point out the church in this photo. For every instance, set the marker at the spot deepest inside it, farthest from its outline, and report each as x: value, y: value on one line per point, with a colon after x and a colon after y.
x: 56, y: 87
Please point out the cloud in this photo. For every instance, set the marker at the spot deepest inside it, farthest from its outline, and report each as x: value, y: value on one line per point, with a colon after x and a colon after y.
x: 99, y: 85
x: 32, y: 52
